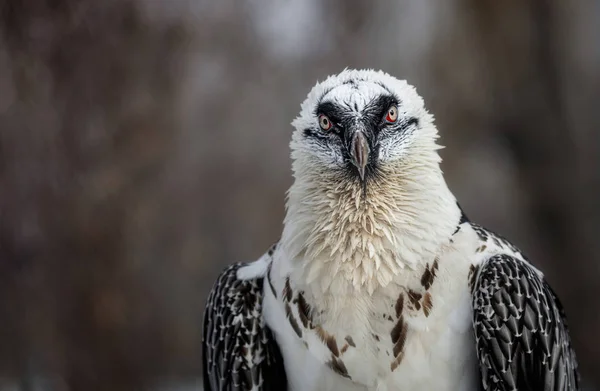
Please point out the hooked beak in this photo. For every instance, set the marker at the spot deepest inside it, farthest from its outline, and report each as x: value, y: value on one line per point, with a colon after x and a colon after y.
x: 360, y: 152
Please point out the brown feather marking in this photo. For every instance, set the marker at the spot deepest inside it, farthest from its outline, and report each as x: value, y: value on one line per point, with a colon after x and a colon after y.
x: 376, y: 337
x: 328, y: 340
x: 304, y: 311
x: 396, y: 362
x: 344, y: 348
x: 350, y: 341
x: 293, y: 322
x: 414, y: 298
x: 338, y: 367
x: 473, y: 276
x: 427, y: 303
x: 399, y: 305
x: 481, y: 248
x: 398, y: 335
x: 429, y: 274
x: 287, y: 290
x: 269, y: 279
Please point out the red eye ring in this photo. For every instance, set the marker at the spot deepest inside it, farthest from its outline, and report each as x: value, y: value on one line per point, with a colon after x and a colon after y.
x: 392, y: 114
x: 324, y: 122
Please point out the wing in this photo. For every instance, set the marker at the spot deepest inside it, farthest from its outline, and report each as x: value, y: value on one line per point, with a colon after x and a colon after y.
x: 238, y: 349
x: 521, y: 332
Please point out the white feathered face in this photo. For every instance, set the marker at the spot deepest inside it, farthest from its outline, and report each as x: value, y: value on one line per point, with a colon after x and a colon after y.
x: 359, y: 121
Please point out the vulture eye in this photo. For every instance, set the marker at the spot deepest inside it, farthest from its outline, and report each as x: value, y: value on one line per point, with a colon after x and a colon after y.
x: 392, y: 114
x: 325, y: 122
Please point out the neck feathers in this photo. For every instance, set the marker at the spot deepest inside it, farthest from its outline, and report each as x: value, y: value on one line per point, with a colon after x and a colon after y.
x: 336, y: 234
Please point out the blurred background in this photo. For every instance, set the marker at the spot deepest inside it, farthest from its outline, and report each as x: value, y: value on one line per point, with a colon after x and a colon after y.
x: 144, y: 146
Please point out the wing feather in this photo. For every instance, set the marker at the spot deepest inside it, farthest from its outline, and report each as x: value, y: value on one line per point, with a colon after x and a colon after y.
x: 239, y: 352
x: 521, y: 331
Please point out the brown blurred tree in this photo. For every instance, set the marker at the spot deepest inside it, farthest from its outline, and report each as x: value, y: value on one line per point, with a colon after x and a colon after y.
x: 85, y: 134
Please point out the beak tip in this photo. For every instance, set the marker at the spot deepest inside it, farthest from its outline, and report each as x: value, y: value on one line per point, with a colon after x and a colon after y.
x: 361, y: 173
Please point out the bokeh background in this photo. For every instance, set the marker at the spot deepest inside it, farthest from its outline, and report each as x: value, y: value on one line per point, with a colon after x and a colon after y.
x: 144, y: 146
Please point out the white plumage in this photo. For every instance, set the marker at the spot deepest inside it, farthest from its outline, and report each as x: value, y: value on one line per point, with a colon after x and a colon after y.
x: 373, y: 282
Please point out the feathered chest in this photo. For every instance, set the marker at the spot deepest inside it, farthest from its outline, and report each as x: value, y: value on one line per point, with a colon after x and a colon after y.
x: 398, y: 331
